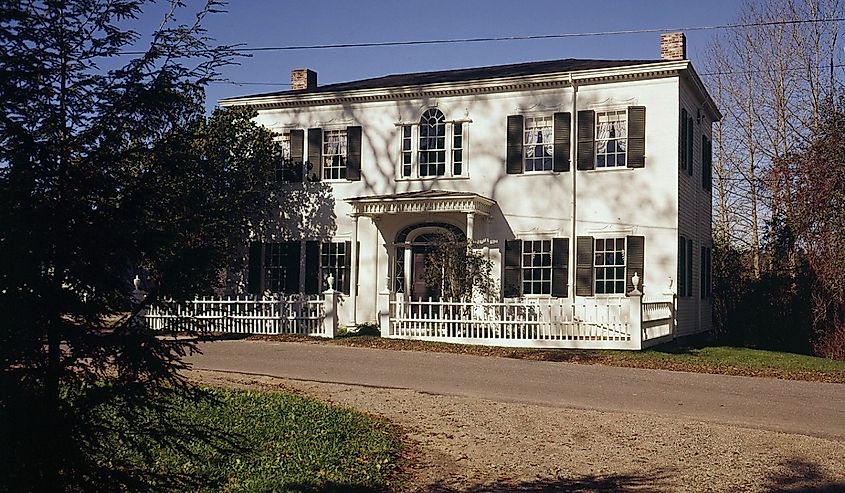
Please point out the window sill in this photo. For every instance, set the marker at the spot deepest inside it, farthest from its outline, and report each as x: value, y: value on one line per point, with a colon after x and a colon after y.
x: 432, y: 178
x: 608, y: 169
x: 539, y: 173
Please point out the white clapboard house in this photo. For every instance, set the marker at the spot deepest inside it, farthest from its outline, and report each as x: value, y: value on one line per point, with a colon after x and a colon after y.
x: 585, y: 182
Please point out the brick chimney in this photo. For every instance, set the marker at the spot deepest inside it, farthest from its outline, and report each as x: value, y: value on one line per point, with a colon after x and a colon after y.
x: 673, y: 46
x: 303, y: 78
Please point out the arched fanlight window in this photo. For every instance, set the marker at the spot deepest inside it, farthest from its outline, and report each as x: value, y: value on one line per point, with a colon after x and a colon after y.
x: 432, y: 150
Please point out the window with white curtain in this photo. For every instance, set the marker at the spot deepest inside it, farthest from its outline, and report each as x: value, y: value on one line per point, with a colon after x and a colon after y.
x: 538, y: 143
x: 611, y: 139
x: 334, y: 154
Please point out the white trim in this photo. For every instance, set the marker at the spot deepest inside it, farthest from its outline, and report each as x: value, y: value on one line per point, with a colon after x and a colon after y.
x: 565, y: 77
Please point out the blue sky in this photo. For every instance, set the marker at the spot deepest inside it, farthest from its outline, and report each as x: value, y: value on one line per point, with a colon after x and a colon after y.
x: 284, y: 23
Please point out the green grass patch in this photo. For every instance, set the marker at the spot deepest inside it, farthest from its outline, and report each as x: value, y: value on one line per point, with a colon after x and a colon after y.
x: 709, y: 359
x: 741, y: 357
x: 251, y: 441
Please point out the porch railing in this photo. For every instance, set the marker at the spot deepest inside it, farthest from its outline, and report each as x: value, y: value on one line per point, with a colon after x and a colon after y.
x: 292, y: 314
x: 614, y: 323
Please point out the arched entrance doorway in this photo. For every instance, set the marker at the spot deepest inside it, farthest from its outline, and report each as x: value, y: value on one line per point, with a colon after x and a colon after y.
x: 414, y: 245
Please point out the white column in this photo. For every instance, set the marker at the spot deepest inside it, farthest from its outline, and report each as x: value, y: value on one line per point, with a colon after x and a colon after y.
x: 408, y: 280
x: 470, y: 226
x: 353, y: 281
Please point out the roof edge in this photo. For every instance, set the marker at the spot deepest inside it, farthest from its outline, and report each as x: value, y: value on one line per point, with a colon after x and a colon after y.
x: 563, y: 77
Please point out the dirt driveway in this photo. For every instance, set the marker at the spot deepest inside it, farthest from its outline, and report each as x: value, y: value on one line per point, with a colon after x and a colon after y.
x: 462, y: 444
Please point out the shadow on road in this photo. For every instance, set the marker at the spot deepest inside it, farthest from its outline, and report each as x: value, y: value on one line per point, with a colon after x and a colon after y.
x: 653, y: 482
x: 802, y: 475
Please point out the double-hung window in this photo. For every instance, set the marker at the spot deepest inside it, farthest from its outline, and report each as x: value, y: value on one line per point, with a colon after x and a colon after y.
x: 299, y: 266
x: 281, y: 169
x: 290, y: 165
x: 281, y: 267
x: 334, y: 154
x: 333, y: 262
x: 538, y: 143
x: 606, y: 266
x: 536, y: 268
x: 611, y: 139
x: 433, y: 147
x: 609, y: 265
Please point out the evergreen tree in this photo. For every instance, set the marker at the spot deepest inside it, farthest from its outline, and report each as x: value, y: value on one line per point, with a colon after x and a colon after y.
x: 105, y: 173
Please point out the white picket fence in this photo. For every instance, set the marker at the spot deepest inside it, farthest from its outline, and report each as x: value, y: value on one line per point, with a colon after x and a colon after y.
x: 657, y: 319
x: 291, y: 314
x: 610, y: 323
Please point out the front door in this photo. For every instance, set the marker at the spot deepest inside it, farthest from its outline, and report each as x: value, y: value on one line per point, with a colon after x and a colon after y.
x: 419, y: 288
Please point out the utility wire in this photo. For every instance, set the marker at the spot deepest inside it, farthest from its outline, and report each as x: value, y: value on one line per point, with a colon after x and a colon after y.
x: 246, y: 49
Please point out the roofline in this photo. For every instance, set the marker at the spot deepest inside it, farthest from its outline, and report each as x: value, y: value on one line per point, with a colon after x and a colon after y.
x: 400, y: 198
x: 715, y: 114
x: 548, y: 80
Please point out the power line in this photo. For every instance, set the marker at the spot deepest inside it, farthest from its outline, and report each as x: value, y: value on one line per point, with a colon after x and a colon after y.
x: 246, y: 49
x: 239, y: 83
x: 757, y: 71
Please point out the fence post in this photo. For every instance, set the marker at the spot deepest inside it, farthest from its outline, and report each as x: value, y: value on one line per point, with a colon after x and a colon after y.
x: 136, y: 299
x: 384, y: 299
x: 673, y: 306
x: 330, y: 297
x: 635, y: 300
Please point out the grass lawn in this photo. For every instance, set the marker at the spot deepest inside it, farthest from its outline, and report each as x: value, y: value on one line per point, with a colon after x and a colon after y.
x: 710, y: 359
x: 248, y: 441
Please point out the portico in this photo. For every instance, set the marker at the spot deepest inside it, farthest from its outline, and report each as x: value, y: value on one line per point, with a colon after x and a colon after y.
x: 410, y: 223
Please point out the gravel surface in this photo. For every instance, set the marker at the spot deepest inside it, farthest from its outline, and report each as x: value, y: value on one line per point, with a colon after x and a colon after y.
x: 460, y: 444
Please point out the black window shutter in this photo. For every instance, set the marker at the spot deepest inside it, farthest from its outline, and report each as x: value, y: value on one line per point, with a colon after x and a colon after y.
x: 514, y: 156
x: 682, y: 145
x: 254, y: 277
x: 562, y: 136
x: 682, y: 266
x: 297, y: 143
x: 690, y: 145
x: 512, y: 285
x: 347, y: 268
x: 560, y: 267
x: 353, y: 153
x: 635, y: 262
x: 702, y: 278
x: 706, y: 163
x: 586, y: 141
x: 294, y: 250
x: 689, y: 267
x: 584, y: 265
x: 312, y: 267
x: 636, y: 136
x: 315, y: 154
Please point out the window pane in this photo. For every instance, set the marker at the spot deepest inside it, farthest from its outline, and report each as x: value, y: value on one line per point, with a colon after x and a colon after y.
x: 538, y: 143
x: 611, y: 138
x: 609, y: 266
x: 334, y: 154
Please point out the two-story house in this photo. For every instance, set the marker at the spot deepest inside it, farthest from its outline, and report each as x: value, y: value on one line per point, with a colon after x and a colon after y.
x: 569, y: 175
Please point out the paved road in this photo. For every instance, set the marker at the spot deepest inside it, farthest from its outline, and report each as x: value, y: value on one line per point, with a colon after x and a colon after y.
x: 796, y: 407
